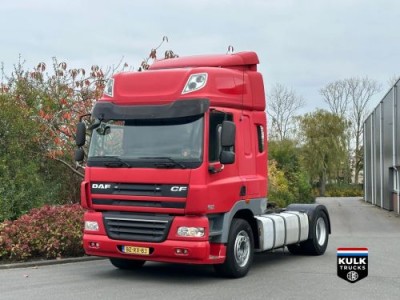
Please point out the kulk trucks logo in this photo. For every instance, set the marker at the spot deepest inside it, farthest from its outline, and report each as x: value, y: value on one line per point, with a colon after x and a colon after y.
x: 352, y: 263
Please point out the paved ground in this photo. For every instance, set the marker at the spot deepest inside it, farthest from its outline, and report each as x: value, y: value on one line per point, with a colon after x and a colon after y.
x: 275, y: 275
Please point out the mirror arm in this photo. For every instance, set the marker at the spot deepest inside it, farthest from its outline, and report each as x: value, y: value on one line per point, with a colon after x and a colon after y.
x: 79, y: 165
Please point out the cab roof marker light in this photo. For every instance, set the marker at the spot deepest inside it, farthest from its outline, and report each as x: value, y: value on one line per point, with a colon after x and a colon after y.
x: 109, y: 88
x: 195, y: 83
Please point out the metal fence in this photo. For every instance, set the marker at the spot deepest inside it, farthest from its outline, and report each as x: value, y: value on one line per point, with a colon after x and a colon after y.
x: 382, y: 152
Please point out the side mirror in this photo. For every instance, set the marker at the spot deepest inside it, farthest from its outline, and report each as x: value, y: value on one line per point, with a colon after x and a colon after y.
x: 228, y: 133
x: 80, y: 138
x: 79, y: 155
x: 227, y: 157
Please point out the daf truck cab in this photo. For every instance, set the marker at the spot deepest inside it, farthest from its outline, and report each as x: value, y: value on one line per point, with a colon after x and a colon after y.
x: 176, y: 169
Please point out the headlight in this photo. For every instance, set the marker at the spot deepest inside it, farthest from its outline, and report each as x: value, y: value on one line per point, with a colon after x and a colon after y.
x: 191, y: 231
x: 91, y: 226
x: 195, y: 83
x: 109, y: 89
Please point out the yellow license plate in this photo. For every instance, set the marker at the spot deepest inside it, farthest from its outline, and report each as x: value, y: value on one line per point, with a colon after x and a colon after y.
x: 136, y: 250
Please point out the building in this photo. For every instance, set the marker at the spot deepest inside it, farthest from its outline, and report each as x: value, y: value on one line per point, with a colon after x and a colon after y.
x: 382, y: 152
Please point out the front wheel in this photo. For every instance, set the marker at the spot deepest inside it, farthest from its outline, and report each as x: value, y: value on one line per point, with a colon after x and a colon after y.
x: 127, y: 264
x: 239, y: 252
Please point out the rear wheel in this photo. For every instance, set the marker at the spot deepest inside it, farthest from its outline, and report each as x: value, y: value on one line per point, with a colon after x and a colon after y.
x: 239, y: 252
x: 318, y: 242
x: 127, y: 264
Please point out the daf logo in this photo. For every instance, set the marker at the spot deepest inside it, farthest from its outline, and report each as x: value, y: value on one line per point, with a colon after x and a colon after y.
x: 178, y: 188
x: 101, y: 186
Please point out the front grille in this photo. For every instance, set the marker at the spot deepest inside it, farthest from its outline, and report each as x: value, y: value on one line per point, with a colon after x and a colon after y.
x: 134, y: 227
x: 138, y: 203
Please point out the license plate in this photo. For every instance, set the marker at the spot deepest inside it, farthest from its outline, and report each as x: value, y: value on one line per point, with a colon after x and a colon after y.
x: 136, y: 250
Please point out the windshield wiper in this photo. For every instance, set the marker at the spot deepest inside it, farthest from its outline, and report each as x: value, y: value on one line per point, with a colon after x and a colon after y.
x: 171, y: 162
x: 114, y: 162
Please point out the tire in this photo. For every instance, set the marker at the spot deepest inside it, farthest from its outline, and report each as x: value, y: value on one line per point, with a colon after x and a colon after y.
x: 239, y: 252
x: 318, y: 242
x: 127, y: 264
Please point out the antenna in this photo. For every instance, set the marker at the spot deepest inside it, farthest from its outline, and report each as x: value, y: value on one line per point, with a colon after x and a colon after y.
x: 230, y: 50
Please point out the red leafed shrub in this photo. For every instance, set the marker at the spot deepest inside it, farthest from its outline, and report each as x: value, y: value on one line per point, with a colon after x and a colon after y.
x: 46, y: 232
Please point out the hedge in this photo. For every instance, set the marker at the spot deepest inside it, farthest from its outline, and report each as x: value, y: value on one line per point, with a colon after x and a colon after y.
x: 46, y: 232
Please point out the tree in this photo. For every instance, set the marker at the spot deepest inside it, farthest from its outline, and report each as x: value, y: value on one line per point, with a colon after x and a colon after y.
x: 278, y: 185
x: 393, y: 80
x: 27, y: 178
x: 288, y: 179
x: 361, y: 91
x: 56, y: 97
x: 39, y: 110
x: 336, y: 95
x: 282, y: 106
x: 349, y: 99
x: 153, y: 55
x: 324, y: 145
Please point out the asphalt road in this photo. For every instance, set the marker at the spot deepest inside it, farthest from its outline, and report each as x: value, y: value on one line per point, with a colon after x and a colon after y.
x: 277, y: 275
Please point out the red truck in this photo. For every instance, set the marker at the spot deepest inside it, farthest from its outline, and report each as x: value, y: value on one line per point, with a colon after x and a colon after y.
x: 177, y: 169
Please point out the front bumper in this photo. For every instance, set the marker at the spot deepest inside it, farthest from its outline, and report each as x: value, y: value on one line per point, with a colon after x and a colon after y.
x: 198, y: 252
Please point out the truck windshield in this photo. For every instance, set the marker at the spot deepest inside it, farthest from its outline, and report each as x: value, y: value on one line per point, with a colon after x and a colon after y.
x: 161, y: 143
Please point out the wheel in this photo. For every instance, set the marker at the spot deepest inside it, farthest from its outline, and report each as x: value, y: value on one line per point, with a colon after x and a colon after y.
x: 239, y: 252
x: 317, y: 243
x: 127, y: 264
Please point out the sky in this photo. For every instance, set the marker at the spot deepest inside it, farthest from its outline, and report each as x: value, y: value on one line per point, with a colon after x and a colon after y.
x: 301, y: 44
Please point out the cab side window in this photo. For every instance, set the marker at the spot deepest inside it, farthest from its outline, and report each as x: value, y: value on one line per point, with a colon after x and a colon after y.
x: 260, y: 138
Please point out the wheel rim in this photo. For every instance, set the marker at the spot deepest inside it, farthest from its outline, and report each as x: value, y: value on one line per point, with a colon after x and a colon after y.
x: 242, y: 248
x: 321, y: 231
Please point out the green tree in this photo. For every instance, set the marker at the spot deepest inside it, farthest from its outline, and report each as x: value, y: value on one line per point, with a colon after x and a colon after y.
x: 289, y: 181
x: 27, y: 178
x: 278, y: 186
x: 324, y: 145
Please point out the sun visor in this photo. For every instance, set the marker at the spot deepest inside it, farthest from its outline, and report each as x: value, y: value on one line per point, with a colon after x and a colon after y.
x: 177, y: 109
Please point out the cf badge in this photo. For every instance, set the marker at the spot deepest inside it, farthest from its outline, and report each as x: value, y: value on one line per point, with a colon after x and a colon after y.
x: 178, y: 189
